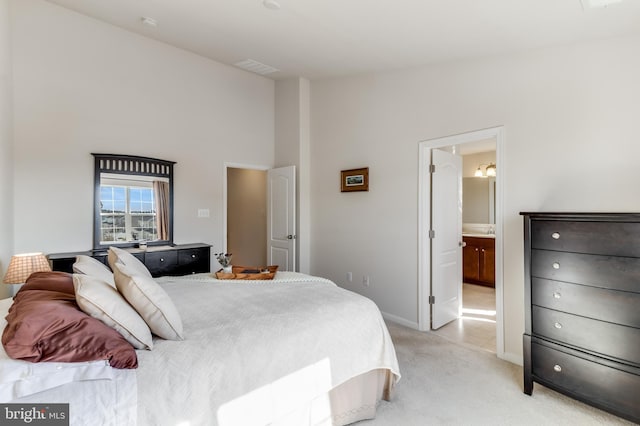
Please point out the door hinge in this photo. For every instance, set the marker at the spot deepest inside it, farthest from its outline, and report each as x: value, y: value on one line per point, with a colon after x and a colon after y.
x: 432, y: 233
x: 432, y: 300
x: 432, y: 168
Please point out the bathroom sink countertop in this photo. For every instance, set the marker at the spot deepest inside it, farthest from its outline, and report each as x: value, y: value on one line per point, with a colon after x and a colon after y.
x: 469, y: 234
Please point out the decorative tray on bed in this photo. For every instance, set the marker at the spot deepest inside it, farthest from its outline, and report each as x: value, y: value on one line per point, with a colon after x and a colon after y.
x: 248, y: 273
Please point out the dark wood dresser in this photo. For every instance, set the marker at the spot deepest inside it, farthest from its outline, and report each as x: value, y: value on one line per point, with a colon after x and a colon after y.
x: 582, y: 302
x: 182, y: 259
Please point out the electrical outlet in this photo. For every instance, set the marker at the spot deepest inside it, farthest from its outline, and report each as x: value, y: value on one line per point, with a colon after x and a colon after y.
x: 203, y: 212
x: 365, y: 280
x: 349, y: 277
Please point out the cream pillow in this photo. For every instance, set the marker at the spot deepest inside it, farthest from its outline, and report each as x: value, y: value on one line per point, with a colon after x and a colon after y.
x: 152, y: 303
x: 89, y: 266
x: 134, y: 264
x: 102, y: 301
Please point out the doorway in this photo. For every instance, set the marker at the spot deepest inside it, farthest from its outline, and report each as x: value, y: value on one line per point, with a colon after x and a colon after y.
x: 246, y: 215
x: 486, y: 140
x: 259, y: 215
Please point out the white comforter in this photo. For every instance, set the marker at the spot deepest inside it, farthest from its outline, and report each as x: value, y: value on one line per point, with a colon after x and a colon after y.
x: 253, y: 350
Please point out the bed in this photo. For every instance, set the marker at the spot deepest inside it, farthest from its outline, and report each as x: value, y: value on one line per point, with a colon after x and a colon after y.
x: 297, y: 350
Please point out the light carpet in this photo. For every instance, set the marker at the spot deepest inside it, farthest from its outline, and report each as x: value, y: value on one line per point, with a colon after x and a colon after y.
x: 445, y: 383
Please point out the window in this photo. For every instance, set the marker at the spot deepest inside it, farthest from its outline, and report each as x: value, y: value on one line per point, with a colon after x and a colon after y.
x: 127, y: 213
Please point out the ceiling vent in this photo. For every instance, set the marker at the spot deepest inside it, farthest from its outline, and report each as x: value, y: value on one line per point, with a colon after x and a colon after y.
x: 597, y: 4
x: 256, y: 67
x: 149, y: 22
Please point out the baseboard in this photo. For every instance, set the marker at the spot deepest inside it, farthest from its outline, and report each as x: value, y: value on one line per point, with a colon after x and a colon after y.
x: 512, y: 358
x: 400, y: 320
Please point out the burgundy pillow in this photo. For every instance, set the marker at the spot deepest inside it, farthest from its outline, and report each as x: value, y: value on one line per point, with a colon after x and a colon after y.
x: 47, y: 325
x: 51, y: 281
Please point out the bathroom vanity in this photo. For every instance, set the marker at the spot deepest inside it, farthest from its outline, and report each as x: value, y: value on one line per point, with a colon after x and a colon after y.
x: 479, y: 259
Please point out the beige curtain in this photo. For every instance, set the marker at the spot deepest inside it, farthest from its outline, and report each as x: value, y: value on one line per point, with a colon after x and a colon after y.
x: 161, y: 194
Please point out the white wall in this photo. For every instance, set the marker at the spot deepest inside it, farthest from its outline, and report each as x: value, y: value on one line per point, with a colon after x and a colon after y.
x: 292, y: 148
x: 571, y: 120
x: 82, y: 86
x: 6, y: 135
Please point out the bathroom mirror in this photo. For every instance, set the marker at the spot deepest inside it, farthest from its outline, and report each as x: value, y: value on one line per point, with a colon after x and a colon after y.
x: 133, y: 201
x: 478, y: 200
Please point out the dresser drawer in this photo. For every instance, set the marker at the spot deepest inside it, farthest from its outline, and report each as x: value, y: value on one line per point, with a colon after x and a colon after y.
x: 192, y: 261
x: 615, y: 306
x: 612, y: 238
x: 161, y: 262
x: 601, y: 385
x: 618, y: 273
x: 616, y: 341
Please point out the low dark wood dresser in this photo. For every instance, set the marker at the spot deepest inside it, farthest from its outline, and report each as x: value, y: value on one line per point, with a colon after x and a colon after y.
x: 181, y: 259
x: 582, y: 302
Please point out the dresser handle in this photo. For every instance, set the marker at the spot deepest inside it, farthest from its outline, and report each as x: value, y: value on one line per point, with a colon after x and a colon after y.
x: 193, y: 256
x: 557, y: 368
x: 555, y: 236
x: 556, y: 265
x: 557, y: 325
x: 161, y: 259
x: 556, y: 295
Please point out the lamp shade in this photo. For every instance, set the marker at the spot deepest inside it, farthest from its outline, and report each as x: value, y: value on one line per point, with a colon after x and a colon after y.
x: 491, y: 170
x: 23, y: 265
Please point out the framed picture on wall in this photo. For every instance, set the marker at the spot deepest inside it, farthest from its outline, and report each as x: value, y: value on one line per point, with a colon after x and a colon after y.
x: 354, y: 180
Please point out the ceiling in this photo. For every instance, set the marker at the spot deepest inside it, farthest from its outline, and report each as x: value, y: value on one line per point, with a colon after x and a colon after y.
x: 319, y: 39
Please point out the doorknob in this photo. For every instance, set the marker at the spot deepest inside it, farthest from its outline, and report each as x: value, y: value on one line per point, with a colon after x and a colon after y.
x: 291, y: 237
x: 462, y: 244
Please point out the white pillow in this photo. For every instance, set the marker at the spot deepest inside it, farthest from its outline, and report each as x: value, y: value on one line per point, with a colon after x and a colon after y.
x: 134, y: 264
x: 103, y: 302
x: 89, y: 266
x: 152, y: 303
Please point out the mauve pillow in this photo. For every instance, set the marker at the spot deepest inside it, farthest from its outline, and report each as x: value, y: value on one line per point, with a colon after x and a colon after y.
x: 50, y: 281
x: 45, y: 324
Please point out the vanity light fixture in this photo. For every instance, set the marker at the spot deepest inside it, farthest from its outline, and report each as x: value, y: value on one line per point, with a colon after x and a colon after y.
x: 489, y: 171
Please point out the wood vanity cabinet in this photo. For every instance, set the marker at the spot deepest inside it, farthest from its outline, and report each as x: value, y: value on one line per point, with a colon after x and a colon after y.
x: 582, y: 307
x: 478, y: 260
x: 182, y: 259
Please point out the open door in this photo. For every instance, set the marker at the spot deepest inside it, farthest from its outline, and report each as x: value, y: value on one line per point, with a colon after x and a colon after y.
x: 446, y: 237
x: 281, y: 218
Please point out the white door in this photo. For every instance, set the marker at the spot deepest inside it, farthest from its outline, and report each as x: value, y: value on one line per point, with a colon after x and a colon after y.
x: 446, y: 241
x: 281, y: 218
